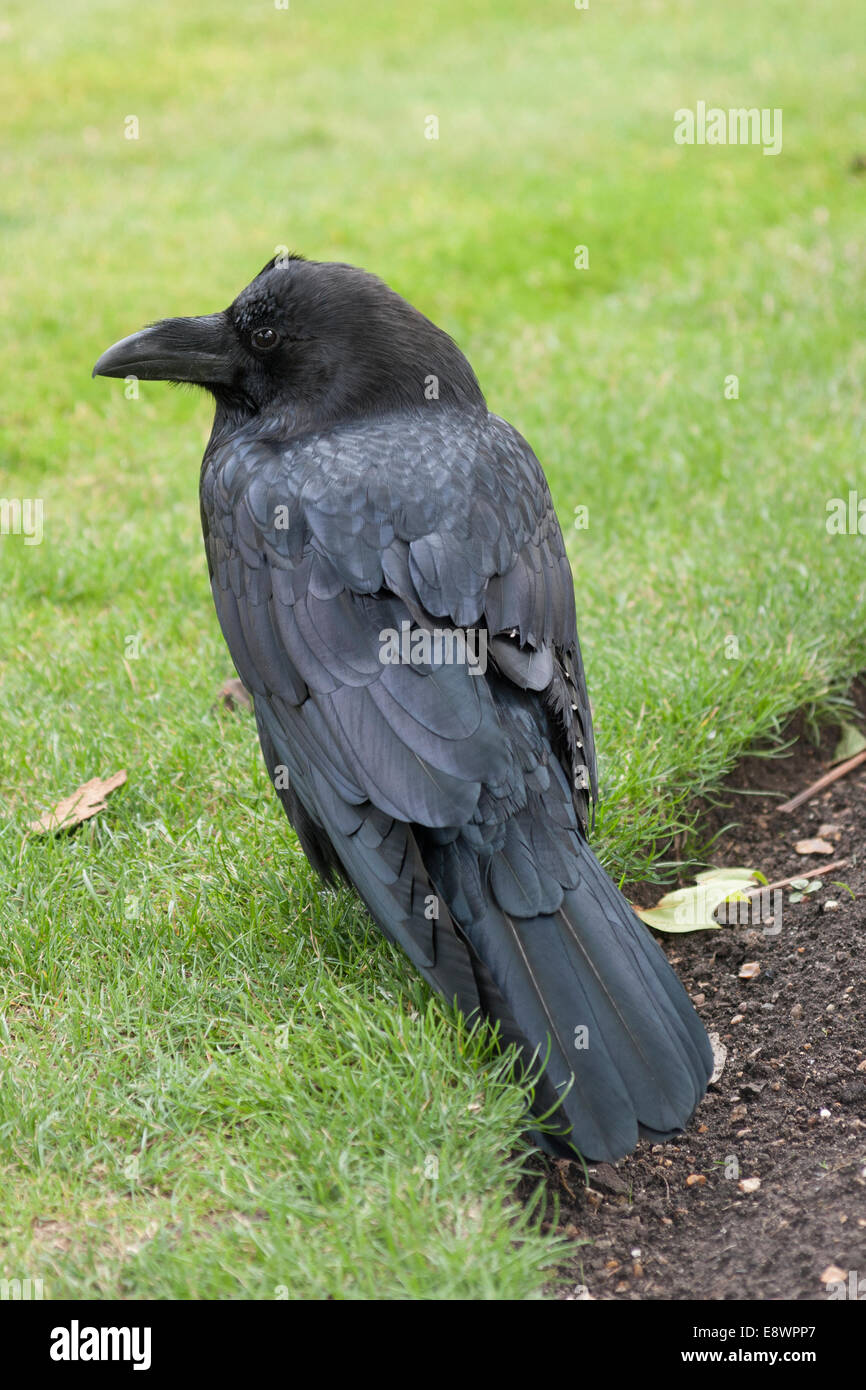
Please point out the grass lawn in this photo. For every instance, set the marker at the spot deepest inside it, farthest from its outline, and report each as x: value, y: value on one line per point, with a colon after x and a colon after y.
x: 216, y: 1080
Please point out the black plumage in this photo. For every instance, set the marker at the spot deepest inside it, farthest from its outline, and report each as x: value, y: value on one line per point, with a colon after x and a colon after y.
x: 355, y: 484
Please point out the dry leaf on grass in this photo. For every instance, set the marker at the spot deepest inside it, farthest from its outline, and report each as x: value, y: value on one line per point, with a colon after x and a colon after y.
x: 87, y: 801
x: 817, y: 846
x: 234, y: 694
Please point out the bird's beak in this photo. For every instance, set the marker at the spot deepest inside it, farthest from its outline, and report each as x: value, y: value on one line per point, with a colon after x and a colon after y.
x: 197, y: 350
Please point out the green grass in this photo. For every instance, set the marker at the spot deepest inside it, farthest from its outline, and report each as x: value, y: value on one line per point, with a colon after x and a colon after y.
x: 215, y: 1080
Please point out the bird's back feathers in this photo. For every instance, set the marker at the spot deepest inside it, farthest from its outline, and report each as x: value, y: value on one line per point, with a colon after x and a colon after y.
x: 455, y: 802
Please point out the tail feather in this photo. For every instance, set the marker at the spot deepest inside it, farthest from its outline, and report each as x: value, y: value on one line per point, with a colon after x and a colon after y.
x: 581, y: 987
x: 590, y: 990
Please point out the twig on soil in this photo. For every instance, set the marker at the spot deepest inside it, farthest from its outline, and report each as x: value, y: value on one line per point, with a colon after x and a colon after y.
x: 832, y: 776
x: 783, y: 882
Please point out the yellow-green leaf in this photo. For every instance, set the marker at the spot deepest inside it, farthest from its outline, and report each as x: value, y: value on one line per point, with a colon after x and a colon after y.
x: 691, y: 909
x: 730, y: 875
x: 851, y: 742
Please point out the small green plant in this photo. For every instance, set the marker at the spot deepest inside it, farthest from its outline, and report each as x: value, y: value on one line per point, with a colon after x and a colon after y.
x: 803, y: 887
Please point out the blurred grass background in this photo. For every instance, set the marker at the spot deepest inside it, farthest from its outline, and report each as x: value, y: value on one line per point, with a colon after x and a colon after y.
x: 215, y: 1081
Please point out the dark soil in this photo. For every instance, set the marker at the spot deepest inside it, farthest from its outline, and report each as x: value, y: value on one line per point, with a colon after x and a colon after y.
x: 671, y: 1221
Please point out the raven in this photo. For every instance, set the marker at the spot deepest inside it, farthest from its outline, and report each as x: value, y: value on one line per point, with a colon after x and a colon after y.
x: 355, y: 487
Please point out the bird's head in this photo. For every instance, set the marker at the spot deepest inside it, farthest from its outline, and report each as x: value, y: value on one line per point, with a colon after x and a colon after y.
x: 324, y: 341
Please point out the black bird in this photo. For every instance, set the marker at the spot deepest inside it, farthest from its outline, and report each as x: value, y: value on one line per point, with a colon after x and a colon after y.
x: 357, y: 499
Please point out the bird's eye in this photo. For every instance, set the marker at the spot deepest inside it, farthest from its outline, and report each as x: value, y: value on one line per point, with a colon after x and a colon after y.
x: 264, y: 339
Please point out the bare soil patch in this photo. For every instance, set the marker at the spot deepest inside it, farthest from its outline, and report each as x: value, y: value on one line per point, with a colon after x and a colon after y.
x: 672, y: 1221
